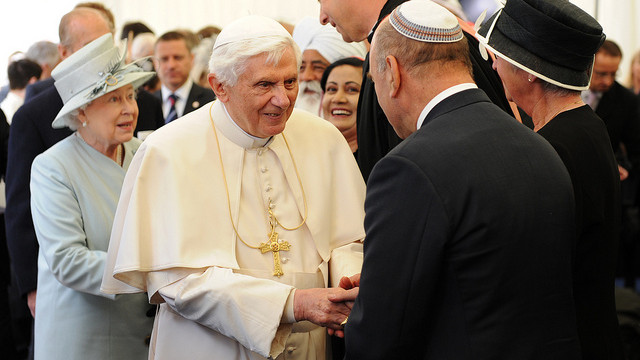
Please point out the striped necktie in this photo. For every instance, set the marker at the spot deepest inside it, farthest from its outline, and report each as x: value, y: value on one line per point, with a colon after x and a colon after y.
x: 173, y: 114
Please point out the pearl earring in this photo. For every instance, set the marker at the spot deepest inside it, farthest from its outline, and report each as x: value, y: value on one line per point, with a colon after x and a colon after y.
x: 84, y: 124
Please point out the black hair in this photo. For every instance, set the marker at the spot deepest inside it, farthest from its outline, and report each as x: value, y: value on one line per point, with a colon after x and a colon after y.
x: 21, y: 71
x: 352, y: 61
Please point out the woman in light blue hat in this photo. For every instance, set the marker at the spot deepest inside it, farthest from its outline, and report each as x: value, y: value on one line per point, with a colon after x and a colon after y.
x: 75, y: 186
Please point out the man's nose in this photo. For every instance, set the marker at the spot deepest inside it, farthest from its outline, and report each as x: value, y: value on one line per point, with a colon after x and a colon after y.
x: 307, y: 74
x: 280, y: 98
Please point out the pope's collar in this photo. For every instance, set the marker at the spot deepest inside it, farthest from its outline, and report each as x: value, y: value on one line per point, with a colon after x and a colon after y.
x: 230, y: 129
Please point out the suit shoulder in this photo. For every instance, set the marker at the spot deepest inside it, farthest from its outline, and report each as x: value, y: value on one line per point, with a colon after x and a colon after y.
x: 41, y: 110
x: 205, y: 93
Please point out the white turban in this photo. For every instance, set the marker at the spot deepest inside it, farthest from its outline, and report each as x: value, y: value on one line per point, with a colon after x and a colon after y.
x: 309, y: 34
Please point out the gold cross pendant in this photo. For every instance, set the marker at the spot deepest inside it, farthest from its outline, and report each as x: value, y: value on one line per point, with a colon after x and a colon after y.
x: 275, y: 246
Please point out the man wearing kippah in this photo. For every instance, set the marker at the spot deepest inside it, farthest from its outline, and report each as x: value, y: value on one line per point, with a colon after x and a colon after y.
x: 469, y: 220
x: 357, y: 20
x: 237, y: 217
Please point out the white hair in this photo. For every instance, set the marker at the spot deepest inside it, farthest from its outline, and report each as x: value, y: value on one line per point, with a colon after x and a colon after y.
x: 74, y: 122
x: 142, y: 45
x: 44, y: 52
x: 230, y: 60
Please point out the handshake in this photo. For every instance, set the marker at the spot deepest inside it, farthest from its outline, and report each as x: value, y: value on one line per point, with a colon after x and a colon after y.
x: 328, y: 307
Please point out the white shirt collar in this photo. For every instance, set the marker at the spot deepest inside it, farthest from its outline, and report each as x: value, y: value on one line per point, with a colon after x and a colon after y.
x: 236, y: 134
x: 438, y: 99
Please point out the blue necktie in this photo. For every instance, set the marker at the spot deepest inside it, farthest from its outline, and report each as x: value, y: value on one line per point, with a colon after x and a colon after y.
x: 173, y: 114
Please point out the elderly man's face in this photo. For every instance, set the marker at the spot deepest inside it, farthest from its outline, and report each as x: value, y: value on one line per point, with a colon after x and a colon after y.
x: 173, y: 62
x: 263, y: 98
x: 313, y: 65
x: 344, y: 16
x: 311, y: 70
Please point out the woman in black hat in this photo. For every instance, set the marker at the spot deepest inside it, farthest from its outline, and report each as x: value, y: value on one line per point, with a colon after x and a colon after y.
x: 545, y: 51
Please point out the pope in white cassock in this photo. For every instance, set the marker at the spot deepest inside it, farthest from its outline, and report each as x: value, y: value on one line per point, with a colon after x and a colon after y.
x: 236, y: 217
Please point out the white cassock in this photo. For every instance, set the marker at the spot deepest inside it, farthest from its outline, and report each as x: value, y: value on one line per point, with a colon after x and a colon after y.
x: 173, y: 235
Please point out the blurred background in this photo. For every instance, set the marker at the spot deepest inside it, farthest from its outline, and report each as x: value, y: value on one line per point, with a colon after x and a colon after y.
x: 28, y: 21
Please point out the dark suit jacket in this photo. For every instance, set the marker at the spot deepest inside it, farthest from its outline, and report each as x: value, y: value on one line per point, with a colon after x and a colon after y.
x: 5, y: 273
x: 581, y: 140
x: 375, y: 135
x: 198, y: 96
x: 31, y: 134
x: 469, y: 228
x: 620, y: 110
x: 37, y: 87
x: 149, y: 112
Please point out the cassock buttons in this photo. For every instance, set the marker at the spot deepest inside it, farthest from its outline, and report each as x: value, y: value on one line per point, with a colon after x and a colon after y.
x: 263, y: 169
x: 268, y: 188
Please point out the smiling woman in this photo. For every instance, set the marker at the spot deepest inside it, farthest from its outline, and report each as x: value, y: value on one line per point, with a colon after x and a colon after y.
x: 75, y: 187
x: 341, y: 83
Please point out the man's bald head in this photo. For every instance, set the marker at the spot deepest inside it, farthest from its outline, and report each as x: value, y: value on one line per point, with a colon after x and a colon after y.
x: 78, y: 28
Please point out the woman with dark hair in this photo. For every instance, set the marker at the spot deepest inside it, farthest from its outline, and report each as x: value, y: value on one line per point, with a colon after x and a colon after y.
x: 341, y: 83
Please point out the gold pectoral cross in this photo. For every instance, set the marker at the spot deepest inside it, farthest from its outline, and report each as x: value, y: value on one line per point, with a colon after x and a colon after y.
x: 275, y: 245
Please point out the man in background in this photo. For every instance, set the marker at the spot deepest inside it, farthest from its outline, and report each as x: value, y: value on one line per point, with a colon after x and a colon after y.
x: 173, y: 62
x: 46, y: 54
x: 21, y: 73
x: 620, y: 110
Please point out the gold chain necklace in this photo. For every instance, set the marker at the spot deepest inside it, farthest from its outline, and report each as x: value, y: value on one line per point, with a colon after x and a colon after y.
x: 274, y: 244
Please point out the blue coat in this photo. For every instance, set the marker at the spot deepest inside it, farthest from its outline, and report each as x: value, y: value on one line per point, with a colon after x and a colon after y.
x: 74, y: 193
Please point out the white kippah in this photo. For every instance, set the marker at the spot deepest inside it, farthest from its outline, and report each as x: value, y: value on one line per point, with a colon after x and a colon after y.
x: 249, y: 27
x: 426, y: 21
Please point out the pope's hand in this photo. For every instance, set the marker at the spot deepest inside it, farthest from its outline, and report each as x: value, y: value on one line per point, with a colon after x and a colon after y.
x: 320, y: 306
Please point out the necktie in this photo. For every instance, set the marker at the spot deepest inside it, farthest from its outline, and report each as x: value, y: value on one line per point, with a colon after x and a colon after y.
x: 173, y: 114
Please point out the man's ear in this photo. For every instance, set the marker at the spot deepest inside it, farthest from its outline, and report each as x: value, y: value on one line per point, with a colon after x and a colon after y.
x: 63, y: 51
x: 393, y: 75
x: 218, y: 88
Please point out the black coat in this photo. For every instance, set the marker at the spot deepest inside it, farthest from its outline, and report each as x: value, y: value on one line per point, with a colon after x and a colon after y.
x: 620, y: 110
x: 31, y: 134
x: 469, y: 228
x: 376, y: 136
x: 581, y: 140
